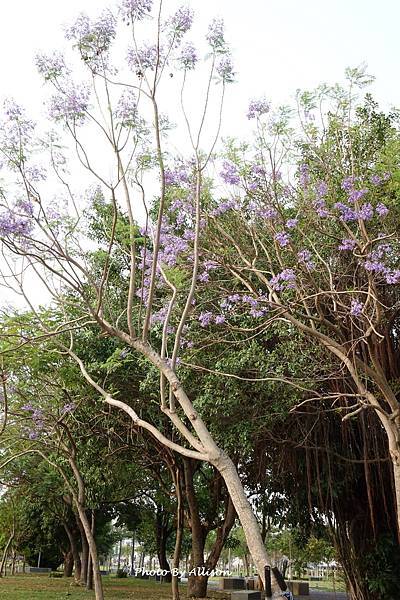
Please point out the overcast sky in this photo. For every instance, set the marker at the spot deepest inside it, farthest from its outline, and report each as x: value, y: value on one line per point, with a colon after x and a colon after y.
x: 279, y: 45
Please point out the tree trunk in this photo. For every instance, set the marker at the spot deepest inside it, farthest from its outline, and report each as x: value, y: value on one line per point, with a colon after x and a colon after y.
x: 396, y: 477
x: 246, y: 516
x: 162, y: 534
x: 133, y: 555
x: 98, y: 585
x: 119, y: 555
x: 4, y: 558
x: 85, y: 552
x: 68, y: 563
x: 179, y: 535
x: 91, y: 565
x: 74, y: 550
x: 197, y: 586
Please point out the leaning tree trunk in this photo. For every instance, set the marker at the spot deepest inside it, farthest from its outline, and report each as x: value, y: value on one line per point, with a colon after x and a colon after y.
x: 5, y: 553
x: 85, y: 552
x: 68, y: 564
x: 246, y: 517
x: 98, y: 585
x: 179, y: 536
x: 74, y: 550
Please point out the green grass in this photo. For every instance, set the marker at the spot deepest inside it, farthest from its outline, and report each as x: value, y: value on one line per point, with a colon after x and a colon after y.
x: 327, y: 585
x: 42, y: 587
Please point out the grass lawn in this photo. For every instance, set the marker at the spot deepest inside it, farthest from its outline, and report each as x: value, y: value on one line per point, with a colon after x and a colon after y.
x: 327, y: 585
x: 43, y: 587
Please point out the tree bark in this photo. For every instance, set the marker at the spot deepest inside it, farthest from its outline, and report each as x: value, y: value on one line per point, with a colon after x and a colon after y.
x: 162, y: 534
x: 85, y: 552
x: 246, y: 516
x: 68, y: 564
x: 5, y: 553
x: 74, y: 550
x: 179, y: 534
x: 91, y: 561
x: 133, y: 555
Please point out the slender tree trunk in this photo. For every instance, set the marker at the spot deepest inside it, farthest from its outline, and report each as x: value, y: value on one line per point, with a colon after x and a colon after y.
x: 119, y: 555
x: 74, y: 550
x: 179, y: 536
x: 68, y: 564
x: 396, y: 476
x: 91, y: 562
x: 14, y: 556
x: 246, y: 516
x: 98, y: 585
x: 133, y: 555
x: 85, y: 552
x: 5, y: 553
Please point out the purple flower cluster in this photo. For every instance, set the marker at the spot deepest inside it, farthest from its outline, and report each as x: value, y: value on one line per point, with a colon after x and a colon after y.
x: 181, y: 21
x: 284, y: 280
x: 257, y: 108
x: 381, y: 210
x: 347, y: 244
x: 188, y: 57
x: 291, y: 223
x: 225, y: 69
x: 126, y: 110
x: 37, y: 421
x: 348, y: 183
x: 51, y: 67
x: 346, y: 213
x: 282, y: 238
x: 13, y: 223
x: 179, y: 176
x: 68, y: 408
x: 72, y: 104
x: 356, y: 308
x: 305, y: 258
x: 223, y: 207
x: 366, y: 212
x: 144, y: 58
x: 135, y: 10
x: 206, y: 318
x: 356, y: 195
x: 376, y: 263
x: 215, y: 35
x: 229, y: 173
x: 304, y: 175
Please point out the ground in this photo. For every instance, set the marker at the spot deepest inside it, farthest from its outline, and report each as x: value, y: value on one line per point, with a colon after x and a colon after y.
x: 42, y: 587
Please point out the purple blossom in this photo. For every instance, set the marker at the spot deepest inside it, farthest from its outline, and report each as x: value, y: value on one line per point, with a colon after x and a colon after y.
x: 219, y: 319
x: 304, y: 175
x: 291, y: 223
x: 376, y: 179
x: 346, y: 213
x: 52, y: 66
x: 234, y: 298
x: 33, y: 435
x: 305, y: 258
x: 79, y: 29
x: 381, y: 209
x: 72, y: 104
x: 257, y: 108
x: 223, y: 207
x: 204, y: 277
x: 392, y: 277
x: 230, y: 173
x: 205, y: 318
x: 145, y: 57
x: 356, y: 308
x: 135, y: 10
x: 322, y: 189
x: 28, y: 407
x: 181, y: 21
x: 348, y: 183
x: 215, y: 35
x: 321, y: 208
x: 178, y: 176
x: 285, y: 279
x: 225, y: 69
x: 366, y: 212
x: 282, y: 238
x: 188, y: 57
x: 67, y: 408
x: 126, y: 110
x: 347, y: 244
x: 356, y: 195
x: 12, y: 224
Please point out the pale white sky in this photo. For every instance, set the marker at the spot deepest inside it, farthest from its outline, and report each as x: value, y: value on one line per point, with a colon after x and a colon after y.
x: 279, y: 45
